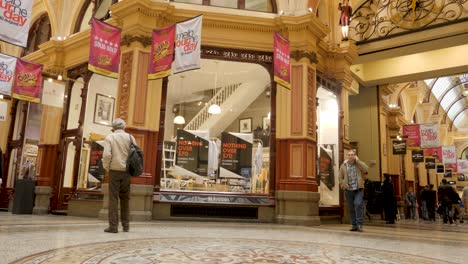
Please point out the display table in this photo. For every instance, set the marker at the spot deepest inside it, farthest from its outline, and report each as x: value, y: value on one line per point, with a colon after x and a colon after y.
x: 24, y: 197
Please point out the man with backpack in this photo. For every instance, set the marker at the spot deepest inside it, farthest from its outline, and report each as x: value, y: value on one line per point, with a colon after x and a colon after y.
x: 117, y: 148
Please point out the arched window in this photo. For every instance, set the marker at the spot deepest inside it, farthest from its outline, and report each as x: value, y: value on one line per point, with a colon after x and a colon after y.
x: 93, y: 8
x: 253, y: 5
x: 39, y: 33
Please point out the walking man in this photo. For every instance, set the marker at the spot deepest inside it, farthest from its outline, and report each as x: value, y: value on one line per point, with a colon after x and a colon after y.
x: 114, y: 161
x: 465, y: 199
x: 353, y: 173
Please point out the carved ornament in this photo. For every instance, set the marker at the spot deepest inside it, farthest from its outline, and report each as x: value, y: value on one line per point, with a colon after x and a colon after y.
x: 128, y: 39
x: 299, y: 54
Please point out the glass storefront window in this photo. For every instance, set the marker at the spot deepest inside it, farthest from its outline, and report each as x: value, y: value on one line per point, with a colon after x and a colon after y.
x: 217, y: 129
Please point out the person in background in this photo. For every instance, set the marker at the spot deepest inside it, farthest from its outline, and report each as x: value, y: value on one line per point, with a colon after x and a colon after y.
x: 431, y: 202
x: 445, y: 206
x: 352, y: 176
x: 388, y: 199
x: 368, y: 191
x: 456, y: 212
x: 465, y: 199
x: 423, y: 195
x: 411, y: 203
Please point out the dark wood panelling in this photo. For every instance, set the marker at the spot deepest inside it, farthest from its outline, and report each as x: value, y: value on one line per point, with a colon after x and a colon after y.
x: 141, y: 89
x: 148, y: 141
x: 311, y: 103
x: 296, y: 100
x: 46, y: 162
x: 123, y: 98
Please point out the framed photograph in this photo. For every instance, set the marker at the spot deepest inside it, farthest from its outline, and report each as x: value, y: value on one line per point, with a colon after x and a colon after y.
x: 245, y: 125
x: 266, y: 123
x: 104, y: 110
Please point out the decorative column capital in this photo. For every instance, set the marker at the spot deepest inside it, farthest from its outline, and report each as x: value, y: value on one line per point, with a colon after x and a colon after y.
x: 297, y: 55
x: 128, y: 39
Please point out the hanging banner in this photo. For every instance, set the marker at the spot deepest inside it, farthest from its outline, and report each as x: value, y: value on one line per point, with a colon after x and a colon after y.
x: 282, y: 68
x: 162, y: 52
x: 3, y: 111
x: 452, y: 166
x: 429, y: 135
x: 449, y: 155
x: 14, y: 21
x: 462, y: 166
x: 413, y: 139
x: 104, y: 49
x: 27, y: 83
x: 7, y: 70
x: 399, y: 147
x: 435, y: 153
x: 187, y: 45
x: 417, y: 155
x: 430, y: 163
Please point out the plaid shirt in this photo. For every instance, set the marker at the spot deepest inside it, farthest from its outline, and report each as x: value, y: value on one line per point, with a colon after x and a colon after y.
x: 352, y: 176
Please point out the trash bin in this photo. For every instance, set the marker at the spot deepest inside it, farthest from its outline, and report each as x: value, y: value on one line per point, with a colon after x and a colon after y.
x: 23, y: 202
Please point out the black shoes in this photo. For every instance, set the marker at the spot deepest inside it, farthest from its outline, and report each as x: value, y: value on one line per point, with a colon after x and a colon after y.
x: 356, y: 229
x: 126, y: 228
x: 110, y: 230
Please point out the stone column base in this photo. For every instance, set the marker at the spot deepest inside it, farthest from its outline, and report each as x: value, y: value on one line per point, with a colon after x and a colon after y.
x: 297, y: 208
x: 42, y: 201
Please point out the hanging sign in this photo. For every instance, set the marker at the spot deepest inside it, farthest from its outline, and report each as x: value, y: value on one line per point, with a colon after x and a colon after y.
x: 282, y: 68
x: 399, y: 147
x: 192, y: 152
x: 104, y: 49
x: 14, y: 21
x: 417, y: 155
x: 452, y: 166
x: 236, y: 156
x: 27, y: 83
x: 413, y: 139
x: 187, y: 45
x: 430, y: 163
x: 3, y: 111
x: 449, y: 155
x: 429, y: 135
x: 7, y: 70
x: 162, y: 52
x: 434, y: 152
x: 462, y: 166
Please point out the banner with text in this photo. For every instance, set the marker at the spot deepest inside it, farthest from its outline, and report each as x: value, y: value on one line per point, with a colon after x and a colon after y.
x: 462, y: 166
x: 192, y: 152
x: 434, y: 152
x: 7, y: 71
x: 3, y: 111
x: 430, y: 163
x: 399, y: 147
x: 104, y: 49
x: 417, y: 155
x: 187, y: 45
x: 27, y: 83
x: 15, y: 16
x: 236, y: 156
x: 449, y: 154
x: 429, y: 135
x: 162, y: 52
x: 282, y: 68
x: 413, y: 139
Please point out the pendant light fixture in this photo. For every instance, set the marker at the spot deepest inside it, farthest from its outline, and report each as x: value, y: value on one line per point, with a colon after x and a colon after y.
x: 215, y: 109
x: 179, y: 119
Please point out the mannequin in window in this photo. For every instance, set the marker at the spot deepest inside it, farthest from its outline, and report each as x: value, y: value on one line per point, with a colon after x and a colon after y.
x: 345, y: 16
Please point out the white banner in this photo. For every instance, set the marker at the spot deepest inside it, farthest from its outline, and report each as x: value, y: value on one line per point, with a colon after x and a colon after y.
x: 187, y: 45
x: 449, y: 155
x: 7, y: 71
x: 15, y: 16
x: 429, y: 135
x: 3, y: 111
x: 462, y: 166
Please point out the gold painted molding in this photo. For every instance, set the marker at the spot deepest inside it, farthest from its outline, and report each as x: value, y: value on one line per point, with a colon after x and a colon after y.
x: 128, y: 39
x: 297, y: 55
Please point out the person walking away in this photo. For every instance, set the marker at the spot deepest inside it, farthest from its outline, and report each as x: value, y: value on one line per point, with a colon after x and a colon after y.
x: 445, y: 202
x: 456, y: 212
x: 411, y: 203
x: 431, y: 202
x: 388, y: 199
x: 352, y: 176
x: 465, y: 199
x: 368, y: 191
x: 114, y: 162
x: 423, y: 195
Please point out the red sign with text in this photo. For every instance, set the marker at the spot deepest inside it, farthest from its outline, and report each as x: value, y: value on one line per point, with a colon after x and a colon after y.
x: 27, y: 83
x: 282, y: 67
x: 104, y: 49
x: 162, y: 52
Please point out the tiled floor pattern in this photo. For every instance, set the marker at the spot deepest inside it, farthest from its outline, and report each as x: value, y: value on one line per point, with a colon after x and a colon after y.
x: 61, y: 239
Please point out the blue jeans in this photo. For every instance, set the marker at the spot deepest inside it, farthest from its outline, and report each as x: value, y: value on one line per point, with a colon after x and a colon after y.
x: 354, y: 199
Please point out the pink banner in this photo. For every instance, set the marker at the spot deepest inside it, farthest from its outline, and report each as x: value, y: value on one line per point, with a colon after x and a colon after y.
x: 413, y: 139
x: 282, y: 67
x: 162, y: 52
x: 453, y: 167
x: 434, y: 152
x: 104, y: 49
x: 27, y: 83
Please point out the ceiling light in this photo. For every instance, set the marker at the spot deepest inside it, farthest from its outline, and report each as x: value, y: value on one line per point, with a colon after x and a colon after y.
x: 310, y: 9
x: 179, y: 120
x: 49, y: 80
x: 59, y: 77
x: 214, y: 109
x: 1, y: 96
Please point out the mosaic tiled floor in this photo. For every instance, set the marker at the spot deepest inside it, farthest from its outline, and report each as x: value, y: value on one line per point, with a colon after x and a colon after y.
x: 219, y: 251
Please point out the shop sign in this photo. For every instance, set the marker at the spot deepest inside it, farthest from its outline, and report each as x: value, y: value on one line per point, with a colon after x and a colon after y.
x: 434, y: 152
x: 429, y: 135
x: 7, y: 70
x: 430, y: 163
x: 462, y: 166
x: 15, y: 16
x: 95, y: 160
x: 27, y: 83
x: 104, y: 49
x: 417, y: 155
x: 236, y: 156
x: 187, y: 45
x: 192, y: 152
x: 282, y: 68
x: 399, y: 147
x: 162, y: 52
x: 3, y: 111
x: 413, y: 137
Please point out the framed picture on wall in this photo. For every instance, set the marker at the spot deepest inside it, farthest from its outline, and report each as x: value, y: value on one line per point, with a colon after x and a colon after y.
x: 245, y: 125
x: 104, y: 110
x: 266, y: 123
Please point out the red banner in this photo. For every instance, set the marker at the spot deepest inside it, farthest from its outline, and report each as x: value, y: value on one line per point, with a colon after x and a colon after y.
x: 434, y: 152
x: 104, y: 49
x: 27, y: 83
x: 282, y: 67
x: 162, y: 52
x: 413, y: 139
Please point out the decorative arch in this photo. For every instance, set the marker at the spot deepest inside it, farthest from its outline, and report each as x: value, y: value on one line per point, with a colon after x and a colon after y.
x: 39, y: 32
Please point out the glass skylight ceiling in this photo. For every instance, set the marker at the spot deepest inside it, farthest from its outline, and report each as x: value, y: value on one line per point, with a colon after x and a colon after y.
x: 448, y: 91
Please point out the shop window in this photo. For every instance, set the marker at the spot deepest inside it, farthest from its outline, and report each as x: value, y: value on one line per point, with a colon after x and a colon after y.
x: 39, y: 33
x: 254, y: 5
x: 27, y: 168
x: 217, y: 129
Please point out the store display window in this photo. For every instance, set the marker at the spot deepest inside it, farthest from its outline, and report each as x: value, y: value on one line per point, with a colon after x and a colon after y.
x: 217, y: 129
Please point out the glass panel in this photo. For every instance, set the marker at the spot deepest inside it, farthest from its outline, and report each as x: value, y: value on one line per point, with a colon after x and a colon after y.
x: 31, y: 142
x: 217, y: 129
x: 455, y: 109
x: 69, y: 163
x: 441, y: 85
x: 224, y: 3
x: 449, y: 98
x: 86, y: 18
x: 199, y: 2
x: 258, y: 5
x: 75, y: 104
x: 103, y: 9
